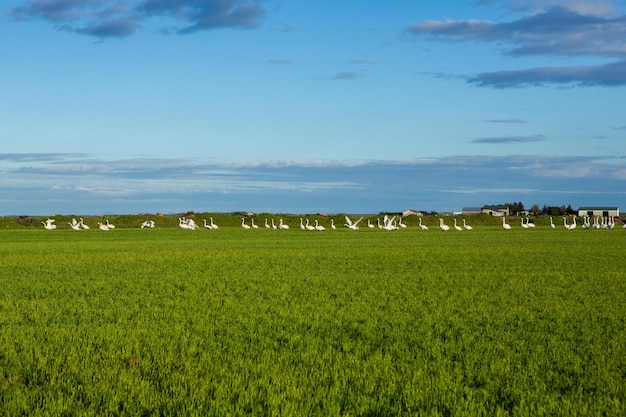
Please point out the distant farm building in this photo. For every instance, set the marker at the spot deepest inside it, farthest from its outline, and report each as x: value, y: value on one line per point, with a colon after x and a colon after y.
x: 471, y: 210
x: 598, y: 211
x: 495, y: 210
x: 412, y: 213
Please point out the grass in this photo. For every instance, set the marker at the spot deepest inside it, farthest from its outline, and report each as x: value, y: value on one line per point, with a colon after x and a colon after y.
x: 243, y: 322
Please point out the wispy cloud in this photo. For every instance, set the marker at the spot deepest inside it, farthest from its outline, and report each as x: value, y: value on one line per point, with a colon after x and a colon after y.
x: 623, y: 127
x: 279, y: 62
x: 613, y: 74
x: 511, y: 139
x: 123, y: 18
x: 345, y: 75
x: 563, y: 29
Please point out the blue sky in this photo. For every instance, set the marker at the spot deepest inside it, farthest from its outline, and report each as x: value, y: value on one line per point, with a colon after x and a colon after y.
x: 120, y: 106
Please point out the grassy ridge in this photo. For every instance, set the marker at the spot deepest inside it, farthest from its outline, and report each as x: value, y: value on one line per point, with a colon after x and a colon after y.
x: 236, y: 322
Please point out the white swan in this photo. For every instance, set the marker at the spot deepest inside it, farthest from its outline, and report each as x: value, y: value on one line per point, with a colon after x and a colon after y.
x: 458, y: 228
x: 552, y: 226
x: 254, y: 226
x: 422, y: 226
x: 243, y: 223
x: 307, y: 226
x: 528, y: 223
x: 369, y: 224
x: 402, y: 225
x: 569, y: 226
x: 524, y: 225
x: 49, y: 224
x: 103, y: 227
x: 466, y: 226
x: 83, y: 225
x: 332, y: 224
x: 182, y: 223
x: 74, y: 224
x: 267, y: 225
x: 281, y: 225
x: 505, y: 224
x: 388, y: 223
x: 444, y: 227
x: 319, y: 226
x: 274, y: 225
x: 109, y: 225
x: 352, y: 225
x: 302, y: 225
x: 213, y: 225
x: 206, y: 225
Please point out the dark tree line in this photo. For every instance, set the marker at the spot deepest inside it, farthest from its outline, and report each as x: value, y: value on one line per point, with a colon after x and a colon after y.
x: 536, y: 211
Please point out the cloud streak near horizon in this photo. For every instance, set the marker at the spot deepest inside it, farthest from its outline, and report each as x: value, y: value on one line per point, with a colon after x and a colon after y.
x: 72, y: 183
x: 120, y: 19
x: 561, y: 30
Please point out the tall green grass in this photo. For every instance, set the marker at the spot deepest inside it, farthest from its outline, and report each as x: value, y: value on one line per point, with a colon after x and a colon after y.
x: 245, y: 322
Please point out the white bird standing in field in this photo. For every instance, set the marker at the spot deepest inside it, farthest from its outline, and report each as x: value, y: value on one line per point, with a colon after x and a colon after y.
x: 505, y: 224
x: 402, y: 225
x: 524, y: 225
x: 466, y: 226
x: 182, y: 223
x: 254, y: 226
x: 206, y: 225
x: 528, y: 223
x: 282, y: 225
x: 458, y: 228
x: 319, y: 227
x: 213, y: 225
x: 422, y: 226
x: 332, y: 224
x: 302, y: 225
x: 109, y: 225
x: 74, y: 224
x: 83, y: 225
x: 243, y: 223
x: 444, y: 227
x: 369, y: 224
x: 103, y: 227
x: 307, y: 226
x: 267, y: 225
x: 552, y: 226
x: 388, y: 223
x: 569, y: 226
x: 352, y: 225
x: 49, y: 224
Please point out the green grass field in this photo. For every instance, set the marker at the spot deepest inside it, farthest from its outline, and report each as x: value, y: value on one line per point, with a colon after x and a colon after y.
x: 280, y: 323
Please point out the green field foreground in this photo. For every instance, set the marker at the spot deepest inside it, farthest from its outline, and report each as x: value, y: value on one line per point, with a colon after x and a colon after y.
x: 234, y: 322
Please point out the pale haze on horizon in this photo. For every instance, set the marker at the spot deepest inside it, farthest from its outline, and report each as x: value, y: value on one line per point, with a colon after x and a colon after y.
x: 124, y: 106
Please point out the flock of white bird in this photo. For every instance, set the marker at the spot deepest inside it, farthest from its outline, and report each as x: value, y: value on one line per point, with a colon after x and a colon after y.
x: 388, y: 223
x: 80, y: 225
x: 598, y: 223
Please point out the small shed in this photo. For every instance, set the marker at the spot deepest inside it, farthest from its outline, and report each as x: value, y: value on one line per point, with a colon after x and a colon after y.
x: 598, y: 211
